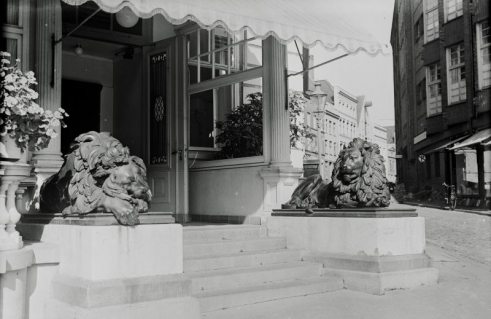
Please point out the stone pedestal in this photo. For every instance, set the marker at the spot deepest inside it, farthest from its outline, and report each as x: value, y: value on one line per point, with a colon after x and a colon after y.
x: 373, y: 250
x: 279, y: 184
x: 118, y: 271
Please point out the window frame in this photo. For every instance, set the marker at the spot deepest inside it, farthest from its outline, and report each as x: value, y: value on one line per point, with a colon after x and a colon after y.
x: 436, y: 20
x: 460, y: 67
x: 480, y: 56
x: 429, y: 84
x: 458, y: 11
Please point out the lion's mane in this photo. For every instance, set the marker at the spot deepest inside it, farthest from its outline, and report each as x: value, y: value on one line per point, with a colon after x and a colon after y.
x: 89, y: 174
x: 369, y: 189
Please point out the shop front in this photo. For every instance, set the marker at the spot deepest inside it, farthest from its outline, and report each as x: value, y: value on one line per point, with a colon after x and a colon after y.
x: 159, y: 75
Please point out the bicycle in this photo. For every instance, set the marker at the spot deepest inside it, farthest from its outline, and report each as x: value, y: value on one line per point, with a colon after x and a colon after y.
x: 452, y: 200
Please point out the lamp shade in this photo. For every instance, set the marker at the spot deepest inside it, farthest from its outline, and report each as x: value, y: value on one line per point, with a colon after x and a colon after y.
x: 126, y: 17
x: 318, y: 97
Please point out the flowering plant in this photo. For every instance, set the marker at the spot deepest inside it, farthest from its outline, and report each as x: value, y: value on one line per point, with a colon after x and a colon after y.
x: 21, y: 118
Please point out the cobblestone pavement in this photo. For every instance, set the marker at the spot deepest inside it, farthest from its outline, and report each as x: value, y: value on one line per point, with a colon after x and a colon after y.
x: 465, y: 234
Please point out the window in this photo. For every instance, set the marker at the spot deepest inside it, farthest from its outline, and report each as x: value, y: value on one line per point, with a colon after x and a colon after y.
x: 434, y: 89
x: 431, y: 20
x: 466, y: 171
x: 421, y: 91
x: 456, y: 74
x: 453, y: 9
x: 418, y: 29
x: 484, y: 55
x: 212, y: 54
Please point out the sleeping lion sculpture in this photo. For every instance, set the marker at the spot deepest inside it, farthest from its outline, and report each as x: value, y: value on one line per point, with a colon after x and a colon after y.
x: 358, y: 180
x: 98, y: 176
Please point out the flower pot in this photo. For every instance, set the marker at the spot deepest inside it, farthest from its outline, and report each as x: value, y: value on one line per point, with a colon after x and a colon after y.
x: 9, y: 151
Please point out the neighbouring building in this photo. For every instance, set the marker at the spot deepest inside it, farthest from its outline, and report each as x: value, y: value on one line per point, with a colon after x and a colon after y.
x: 344, y: 117
x: 390, y: 164
x: 442, y: 87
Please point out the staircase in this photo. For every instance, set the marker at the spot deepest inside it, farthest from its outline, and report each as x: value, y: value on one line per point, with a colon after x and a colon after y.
x: 235, y: 265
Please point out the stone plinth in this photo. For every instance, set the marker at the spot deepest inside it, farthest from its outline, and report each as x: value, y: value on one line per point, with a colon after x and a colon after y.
x: 117, y: 271
x: 373, y: 250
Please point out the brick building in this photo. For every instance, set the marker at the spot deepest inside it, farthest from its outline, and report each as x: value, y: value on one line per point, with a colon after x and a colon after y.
x: 442, y: 77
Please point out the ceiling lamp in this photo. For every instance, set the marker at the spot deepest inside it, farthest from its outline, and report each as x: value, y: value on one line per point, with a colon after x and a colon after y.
x: 126, y: 17
x: 79, y: 50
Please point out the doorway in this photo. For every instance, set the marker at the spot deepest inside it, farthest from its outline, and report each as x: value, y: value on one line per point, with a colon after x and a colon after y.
x: 82, y: 101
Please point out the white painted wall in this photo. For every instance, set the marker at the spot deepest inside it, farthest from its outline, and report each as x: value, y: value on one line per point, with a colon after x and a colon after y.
x: 231, y: 191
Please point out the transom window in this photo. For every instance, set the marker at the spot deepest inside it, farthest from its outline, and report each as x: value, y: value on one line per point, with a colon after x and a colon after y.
x: 432, y: 25
x: 434, y: 89
x: 454, y: 9
x: 484, y: 54
x: 456, y: 72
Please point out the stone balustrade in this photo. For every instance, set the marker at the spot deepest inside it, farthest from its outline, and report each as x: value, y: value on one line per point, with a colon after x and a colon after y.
x: 11, y: 175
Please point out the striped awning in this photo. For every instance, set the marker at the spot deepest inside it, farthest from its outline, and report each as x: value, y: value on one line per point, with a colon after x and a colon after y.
x: 332, y: 23
x: 474, y: 139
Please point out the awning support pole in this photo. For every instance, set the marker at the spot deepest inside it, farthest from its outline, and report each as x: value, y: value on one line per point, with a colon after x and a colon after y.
x: 318, y: 65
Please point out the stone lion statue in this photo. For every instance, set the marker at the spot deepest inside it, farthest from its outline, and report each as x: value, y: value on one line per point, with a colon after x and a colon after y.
x: 358, y: 180
x: 98, y: 175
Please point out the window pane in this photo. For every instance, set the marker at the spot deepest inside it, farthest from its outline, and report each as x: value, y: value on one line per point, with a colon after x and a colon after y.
x: 201, y: 119
x: 466, y: 171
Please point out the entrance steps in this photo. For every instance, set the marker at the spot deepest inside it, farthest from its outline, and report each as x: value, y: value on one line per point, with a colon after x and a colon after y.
x: 235, y: 265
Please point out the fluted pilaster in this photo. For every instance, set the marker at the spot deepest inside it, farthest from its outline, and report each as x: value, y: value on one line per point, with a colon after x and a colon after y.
x: 275, y: 101
x: 49, y: 24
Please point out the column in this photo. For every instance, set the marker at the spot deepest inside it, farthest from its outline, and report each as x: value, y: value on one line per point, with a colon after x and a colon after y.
x: 48, y: 161
x: 48, y: 72
x: 280, y: 179
x: 275, y: 101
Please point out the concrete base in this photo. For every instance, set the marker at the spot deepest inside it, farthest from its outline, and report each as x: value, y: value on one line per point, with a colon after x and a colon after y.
x: 117, y: 271
x: 145, y: 297
x: 372, y: 250
x: 377, y: 284
x: 375, y: 274
x: 175, y: 308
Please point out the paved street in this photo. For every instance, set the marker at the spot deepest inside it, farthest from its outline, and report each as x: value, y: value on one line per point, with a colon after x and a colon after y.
x: 463, y: 234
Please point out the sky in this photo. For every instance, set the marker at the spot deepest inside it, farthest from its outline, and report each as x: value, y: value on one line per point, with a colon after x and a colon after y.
x: 362, y: 74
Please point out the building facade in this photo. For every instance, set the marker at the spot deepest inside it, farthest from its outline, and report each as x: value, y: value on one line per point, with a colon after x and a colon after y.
x: 343, y: 118
x: 442, y: 78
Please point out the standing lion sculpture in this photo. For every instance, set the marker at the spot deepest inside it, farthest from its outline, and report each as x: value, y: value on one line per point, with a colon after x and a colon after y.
x: 358, y: 180
x: 98, y: 176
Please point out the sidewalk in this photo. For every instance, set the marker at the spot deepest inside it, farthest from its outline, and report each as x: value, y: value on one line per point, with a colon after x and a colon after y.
x: 464, y: 291
x: 471, y: 210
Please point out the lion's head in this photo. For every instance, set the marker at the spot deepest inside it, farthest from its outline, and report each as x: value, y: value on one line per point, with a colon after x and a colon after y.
x: 359, y: 177
x: 99, y: 175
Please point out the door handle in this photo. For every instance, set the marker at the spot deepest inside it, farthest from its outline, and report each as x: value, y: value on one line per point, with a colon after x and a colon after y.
x: 178, y: 152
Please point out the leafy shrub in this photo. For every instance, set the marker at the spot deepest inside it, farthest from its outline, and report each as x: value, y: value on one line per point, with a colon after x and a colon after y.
x: 241, y: 133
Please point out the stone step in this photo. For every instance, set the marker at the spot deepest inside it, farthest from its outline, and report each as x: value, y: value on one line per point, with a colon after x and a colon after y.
x: 206, y: 233
x: 244, y: 259
x: 226, y: 247
x: 246, y: 276
x: 228, y: 298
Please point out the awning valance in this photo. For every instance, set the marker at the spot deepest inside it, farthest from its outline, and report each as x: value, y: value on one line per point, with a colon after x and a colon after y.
x: 329, y: 22
x: 445, y: 145
x: 474, y: 139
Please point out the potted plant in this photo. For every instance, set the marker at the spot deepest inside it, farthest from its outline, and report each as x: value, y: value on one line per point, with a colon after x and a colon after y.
x: 24, y: 124
x: 241, y: 133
